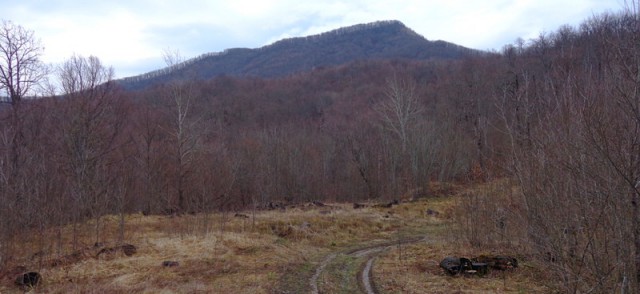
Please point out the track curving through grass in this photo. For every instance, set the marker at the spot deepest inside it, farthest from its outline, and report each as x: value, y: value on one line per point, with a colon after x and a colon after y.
x: 351, y: 271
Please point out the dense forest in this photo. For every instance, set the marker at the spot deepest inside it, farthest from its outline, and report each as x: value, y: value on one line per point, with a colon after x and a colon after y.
x: 557, y: 117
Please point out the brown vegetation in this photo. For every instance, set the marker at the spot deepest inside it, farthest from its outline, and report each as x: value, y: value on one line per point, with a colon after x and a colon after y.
x: 551, y: 126
x: 236, y: 255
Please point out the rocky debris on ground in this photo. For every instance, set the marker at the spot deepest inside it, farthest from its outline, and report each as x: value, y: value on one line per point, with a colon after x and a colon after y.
x: 276, y: 205
x: 27, y: 281
x: 359, y: 205
x: 477, y: 265
x: 318, y: 203
x: 170, y: 263
x: 97, y: 250
x: 498, y: 262
x: 432, y: 212
x: 288, y: 204
x: 74, y: 257
x: 171, y: 212
x: 127, y: 249
x: 311, y: 205
x: 460, y: 265
x: 388, y: 204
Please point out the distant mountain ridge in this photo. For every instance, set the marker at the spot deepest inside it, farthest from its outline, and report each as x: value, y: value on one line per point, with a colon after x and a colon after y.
x: 378, y: 40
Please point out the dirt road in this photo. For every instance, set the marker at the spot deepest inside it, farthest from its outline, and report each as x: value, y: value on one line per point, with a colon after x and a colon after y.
x: 350, y: 271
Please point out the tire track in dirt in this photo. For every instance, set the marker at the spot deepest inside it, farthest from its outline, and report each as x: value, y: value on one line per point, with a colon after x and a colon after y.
x: 314, y: 279
x: 364, y: 276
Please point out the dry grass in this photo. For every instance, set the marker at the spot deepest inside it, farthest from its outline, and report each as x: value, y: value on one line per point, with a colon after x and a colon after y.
x: 415, y: 268
x: 419, y: 270
x: 219, y: 253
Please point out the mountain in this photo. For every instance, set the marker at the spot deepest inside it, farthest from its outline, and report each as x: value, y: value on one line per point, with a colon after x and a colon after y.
x: 377, y: 40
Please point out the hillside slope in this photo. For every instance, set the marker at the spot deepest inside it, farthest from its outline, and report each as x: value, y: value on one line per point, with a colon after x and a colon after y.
x: 378, y: 40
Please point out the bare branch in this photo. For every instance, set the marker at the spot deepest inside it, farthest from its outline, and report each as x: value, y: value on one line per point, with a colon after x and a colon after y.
x: 20, y: 65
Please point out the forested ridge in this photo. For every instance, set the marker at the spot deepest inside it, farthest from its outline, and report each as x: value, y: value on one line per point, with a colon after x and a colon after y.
x: 378, y: 40
x: 556, y: 118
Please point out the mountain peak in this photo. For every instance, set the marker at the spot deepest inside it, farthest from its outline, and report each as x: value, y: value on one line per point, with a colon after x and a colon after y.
x: 365, y: 27
x: 388, y: 39
x: 391, y: 25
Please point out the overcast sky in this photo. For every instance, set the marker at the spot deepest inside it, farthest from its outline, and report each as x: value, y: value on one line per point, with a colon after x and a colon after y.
x: 131, y: 35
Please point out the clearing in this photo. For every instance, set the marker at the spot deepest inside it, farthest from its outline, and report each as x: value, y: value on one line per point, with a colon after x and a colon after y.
x: 309, y: 248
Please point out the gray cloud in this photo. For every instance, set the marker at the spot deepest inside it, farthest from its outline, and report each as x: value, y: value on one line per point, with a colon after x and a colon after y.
x: 131, y: 35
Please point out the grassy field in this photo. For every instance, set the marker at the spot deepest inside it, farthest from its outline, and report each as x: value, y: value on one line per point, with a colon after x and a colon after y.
x: 276, y: 252
x: 414, y: 269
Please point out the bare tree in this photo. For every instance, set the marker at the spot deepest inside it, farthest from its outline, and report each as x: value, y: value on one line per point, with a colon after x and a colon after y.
x: 20, y: 65
x: 400, y: 110
x: 90, y: 129
x: 184, y: 132
x: 20, y: 71
x: 571, y: 117
x: 149, y: 158
x: 399, y: 113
